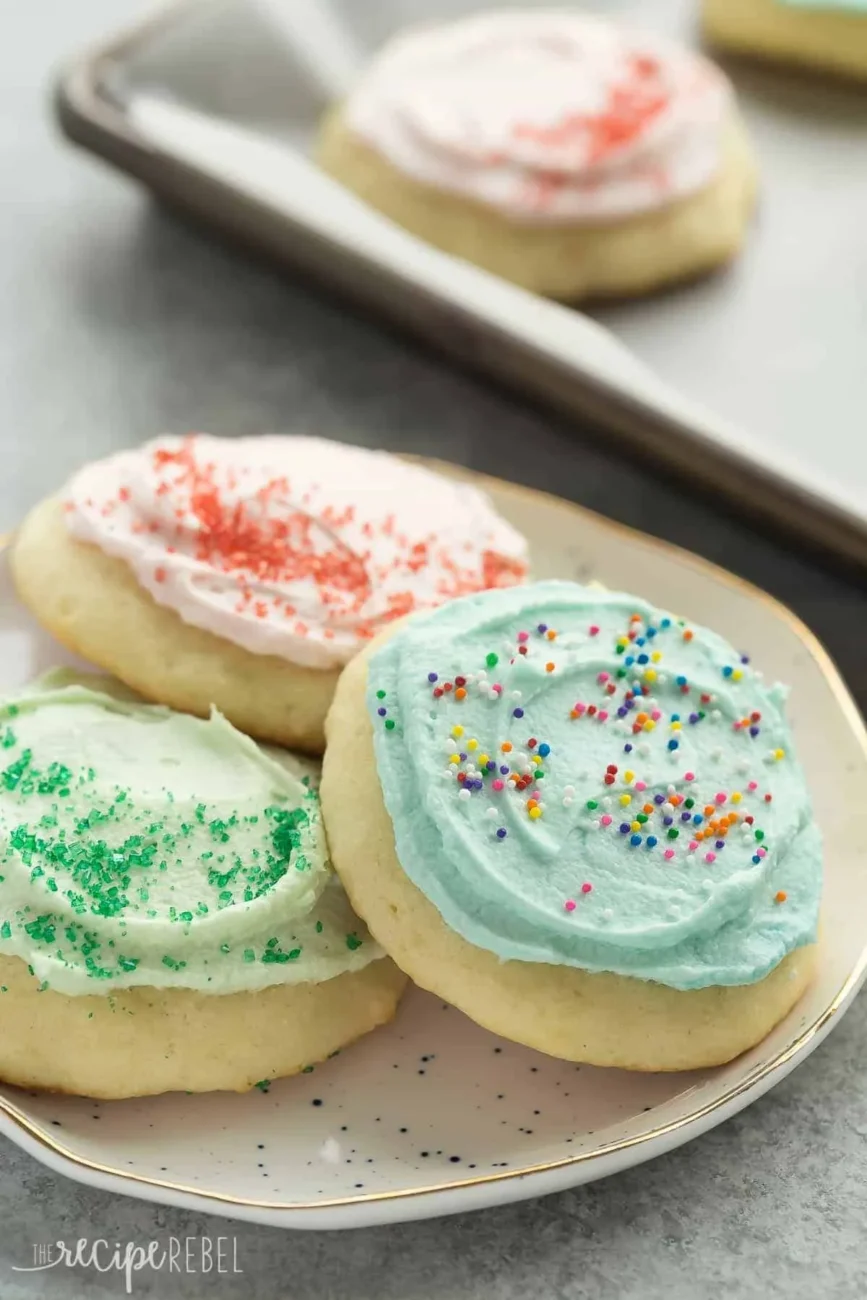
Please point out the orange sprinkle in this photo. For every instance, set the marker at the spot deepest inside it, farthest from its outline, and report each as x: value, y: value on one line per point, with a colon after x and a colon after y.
x: 709, y: 810
x: 460, y: 693
x: 732, y: 819
x: 699, y: 835
x: 552, y: 635
x: 532, y: 803
x: 675, y: 799
x: 641, y: 717
x: 648, y: 808
x: 506, y: 747
x: 549, y: 668
x: 160, y: 575
x: 687, y: 636
x: 780, y: 896
x: 636, y: 618
x: 574, y: 713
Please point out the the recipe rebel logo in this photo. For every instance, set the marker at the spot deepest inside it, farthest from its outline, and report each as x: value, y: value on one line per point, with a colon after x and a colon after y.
x: 202, y: 1256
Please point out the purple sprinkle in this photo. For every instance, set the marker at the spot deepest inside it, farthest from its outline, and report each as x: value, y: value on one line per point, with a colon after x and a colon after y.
x: 621, y: 712
x: 543, y: 627
x: 624, y: 828
x: 684, y: 817
x: 501, y: 833
x: 382, y: 712
x: 720, y: 844
x: 693, y: 717
x: 659, y: 798
x: 745, y: 659
x: 754, y: 731
x: 491, y: 766
x: 518, y: 713
x: 431, y: 677
x: 462, y: 757
x: 627, y: 749
x: 504, y: 770
x: 630, y: 704
x: 666, y: 821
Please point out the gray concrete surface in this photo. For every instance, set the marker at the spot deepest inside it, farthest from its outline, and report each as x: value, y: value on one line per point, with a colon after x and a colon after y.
x: 117, y: 321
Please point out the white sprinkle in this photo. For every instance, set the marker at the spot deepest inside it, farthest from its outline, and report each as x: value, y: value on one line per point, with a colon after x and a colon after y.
x: 672, y: 789
x: 594, y: 825
x: 668, y: 810
x: 480, y: 676
x: 330, y: 1151
x: 607, y: 914
x: 662, y: 679
x: 465, y: 795
x: 567, y: 802
x: 516, y: 695
x: 644, y: 750
x: 715, y: 715
x: 491, y: 812
x: 568, y: 789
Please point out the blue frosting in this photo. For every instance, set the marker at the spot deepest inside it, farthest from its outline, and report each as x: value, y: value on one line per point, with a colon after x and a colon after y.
x: 578, y: 778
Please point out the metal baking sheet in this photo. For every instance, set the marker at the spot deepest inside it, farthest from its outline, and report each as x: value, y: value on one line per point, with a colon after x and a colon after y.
x: 754, y: 379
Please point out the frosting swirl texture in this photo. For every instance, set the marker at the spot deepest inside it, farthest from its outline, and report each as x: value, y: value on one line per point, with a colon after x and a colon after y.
x: 291, y: 546
x: 578, y: 778
x: 545, y: 116
x: 144, y: 847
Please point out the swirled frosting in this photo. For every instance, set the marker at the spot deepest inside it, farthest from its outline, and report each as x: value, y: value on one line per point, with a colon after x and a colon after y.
x: 545, y: 116
x: 579, y: 778
x: 144, y: 847
x: 291, y: 546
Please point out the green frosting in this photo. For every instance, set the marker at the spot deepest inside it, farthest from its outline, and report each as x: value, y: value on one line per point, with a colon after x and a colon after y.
x: 858, y: 6
x: 579, y: 778
x: 144, y: 847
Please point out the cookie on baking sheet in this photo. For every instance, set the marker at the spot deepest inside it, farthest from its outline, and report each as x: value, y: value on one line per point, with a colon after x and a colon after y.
x: 243, y: 573
x: 824, y: 34
x: 581, y: 821
x: 572, y: 155
x: 169, y: 918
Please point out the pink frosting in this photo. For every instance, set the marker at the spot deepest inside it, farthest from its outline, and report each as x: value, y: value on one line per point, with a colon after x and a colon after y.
x: 545, y: 116
x: 291, y: 546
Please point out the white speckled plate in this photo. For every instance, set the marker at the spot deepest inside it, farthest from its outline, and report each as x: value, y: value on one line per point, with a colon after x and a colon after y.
x: 433, y: 1115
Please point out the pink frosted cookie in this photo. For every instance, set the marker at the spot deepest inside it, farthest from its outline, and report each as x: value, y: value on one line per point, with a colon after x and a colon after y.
x: 568, y: 153
x: 244, y: 573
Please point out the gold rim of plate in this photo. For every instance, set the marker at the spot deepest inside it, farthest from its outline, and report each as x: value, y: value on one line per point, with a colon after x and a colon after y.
x: 762, y: 1072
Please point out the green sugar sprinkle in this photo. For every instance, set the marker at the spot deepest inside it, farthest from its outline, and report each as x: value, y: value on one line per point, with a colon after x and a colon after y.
x: 380, y: 695
x: 263, y: 1085
x: 353, y: 942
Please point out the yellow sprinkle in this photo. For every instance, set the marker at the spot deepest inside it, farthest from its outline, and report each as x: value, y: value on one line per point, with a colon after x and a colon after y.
x: 737, y: 796
x: 472, y: 744
x: 737, y: 675
x: 650, y: 674
x: 629, y: 776
x: 623, y: 640
x: 677, y: 726
x: 535, y: 759
x: 636, y: 826
x: 535, y: 813
x: 779, y: 753
x: 625, y: 799
x: 649, y: 724
x: 484, y: 758
x: 455, y: 758
x: 457, y: 731
x: 656, y: 656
